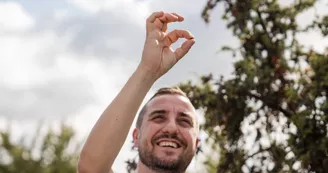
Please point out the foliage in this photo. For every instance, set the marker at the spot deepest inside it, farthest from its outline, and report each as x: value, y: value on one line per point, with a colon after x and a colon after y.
x: 51, y: 153
x: 279, y: 89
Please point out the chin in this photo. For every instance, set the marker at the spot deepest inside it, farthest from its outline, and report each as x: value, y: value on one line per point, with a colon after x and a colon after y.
x: 167, y: 156
x: 169, y: 159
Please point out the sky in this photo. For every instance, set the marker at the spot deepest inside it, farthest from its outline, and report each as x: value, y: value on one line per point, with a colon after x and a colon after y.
x: 67, y: 59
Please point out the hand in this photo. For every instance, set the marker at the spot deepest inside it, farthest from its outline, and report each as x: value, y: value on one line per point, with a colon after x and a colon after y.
x: 158, y: 57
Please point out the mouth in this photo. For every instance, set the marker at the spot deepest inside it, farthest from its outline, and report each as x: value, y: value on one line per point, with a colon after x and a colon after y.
x: 168, y: 144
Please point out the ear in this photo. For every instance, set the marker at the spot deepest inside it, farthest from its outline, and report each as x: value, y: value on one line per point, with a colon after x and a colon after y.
x: 135, y: 135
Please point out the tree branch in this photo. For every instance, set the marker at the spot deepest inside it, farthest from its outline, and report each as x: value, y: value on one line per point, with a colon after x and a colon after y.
x: 272, y: 105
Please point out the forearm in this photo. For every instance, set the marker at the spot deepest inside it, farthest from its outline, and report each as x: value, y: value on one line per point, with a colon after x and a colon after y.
x: 110, y: 132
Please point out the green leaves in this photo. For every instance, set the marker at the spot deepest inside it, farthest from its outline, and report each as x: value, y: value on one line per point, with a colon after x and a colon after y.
x: 53, y: 153
x: 289, y: 82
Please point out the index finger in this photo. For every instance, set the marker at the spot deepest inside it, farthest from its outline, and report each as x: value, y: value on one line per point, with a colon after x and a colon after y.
x: 154, y: 16
x: 174, y: 35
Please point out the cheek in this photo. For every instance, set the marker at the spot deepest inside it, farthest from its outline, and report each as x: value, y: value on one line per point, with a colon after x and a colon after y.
x: 190, y: 138
x: 152, y: 130
x: 147, y: 136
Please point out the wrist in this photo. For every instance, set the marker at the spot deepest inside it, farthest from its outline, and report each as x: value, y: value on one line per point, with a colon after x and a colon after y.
x: 146, y: 75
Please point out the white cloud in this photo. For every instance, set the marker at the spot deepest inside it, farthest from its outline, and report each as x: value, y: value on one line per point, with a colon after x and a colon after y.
x: 19, y: 63
x: 40, y: 72
x: 14, y: 18
x: 74, y: 76
x: 134, y: 11
x: 98, y: 5
x: 92, y: 6
x: 61, y: 14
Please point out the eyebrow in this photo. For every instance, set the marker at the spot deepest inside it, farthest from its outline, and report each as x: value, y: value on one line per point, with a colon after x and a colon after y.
x: 161, y: 111
x: 185, y: 114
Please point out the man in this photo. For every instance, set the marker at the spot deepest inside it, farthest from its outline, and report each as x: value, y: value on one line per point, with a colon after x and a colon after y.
x: 167, y: 127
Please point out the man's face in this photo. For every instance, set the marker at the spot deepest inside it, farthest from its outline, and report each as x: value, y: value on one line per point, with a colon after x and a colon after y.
x: 167, y: 139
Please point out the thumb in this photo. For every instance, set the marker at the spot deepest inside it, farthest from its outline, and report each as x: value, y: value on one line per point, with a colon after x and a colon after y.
x: 184, y: 49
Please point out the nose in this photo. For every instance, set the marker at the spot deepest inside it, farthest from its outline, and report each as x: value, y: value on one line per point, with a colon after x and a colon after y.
x: 170, y: 127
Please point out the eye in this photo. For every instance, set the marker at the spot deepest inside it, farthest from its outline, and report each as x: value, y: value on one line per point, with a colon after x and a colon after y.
x: 186, y: 122
x: 158, y: 118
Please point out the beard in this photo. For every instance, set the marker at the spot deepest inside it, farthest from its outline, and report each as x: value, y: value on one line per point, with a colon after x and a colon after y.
x: 162, y: 165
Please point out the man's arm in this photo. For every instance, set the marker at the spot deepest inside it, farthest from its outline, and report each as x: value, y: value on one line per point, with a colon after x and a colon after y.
x: 110, y: 132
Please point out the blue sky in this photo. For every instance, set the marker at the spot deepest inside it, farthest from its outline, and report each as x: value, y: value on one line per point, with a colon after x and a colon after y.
x: 67, y: 59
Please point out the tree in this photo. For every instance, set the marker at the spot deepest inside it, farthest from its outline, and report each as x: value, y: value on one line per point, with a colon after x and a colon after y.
x: 53, y: 153
x: 279, y: 88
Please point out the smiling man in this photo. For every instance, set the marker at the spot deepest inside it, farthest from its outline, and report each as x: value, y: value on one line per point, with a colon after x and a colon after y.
x: 167, y: 127
x: 166, y: 132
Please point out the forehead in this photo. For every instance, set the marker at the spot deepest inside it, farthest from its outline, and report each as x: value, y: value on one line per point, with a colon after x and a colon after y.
x: 171, y: 102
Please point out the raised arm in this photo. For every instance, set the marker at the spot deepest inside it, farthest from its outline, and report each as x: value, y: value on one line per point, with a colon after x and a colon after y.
x: 110, y: 132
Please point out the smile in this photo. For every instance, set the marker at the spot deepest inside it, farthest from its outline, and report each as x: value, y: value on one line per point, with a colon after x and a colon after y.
x: 170, y: 144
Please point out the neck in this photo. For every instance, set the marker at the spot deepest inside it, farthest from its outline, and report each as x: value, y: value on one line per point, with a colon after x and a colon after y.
x: 142, y: 168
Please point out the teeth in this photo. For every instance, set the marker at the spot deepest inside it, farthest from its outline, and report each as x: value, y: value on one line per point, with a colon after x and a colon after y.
x: 168, y: 144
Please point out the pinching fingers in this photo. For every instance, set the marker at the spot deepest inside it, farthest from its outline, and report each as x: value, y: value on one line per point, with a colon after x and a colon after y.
x: 160, y: 20
x: 174, y: 35
x: 184, y: 49
x: 180, y: 18
x: 154, y: 16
